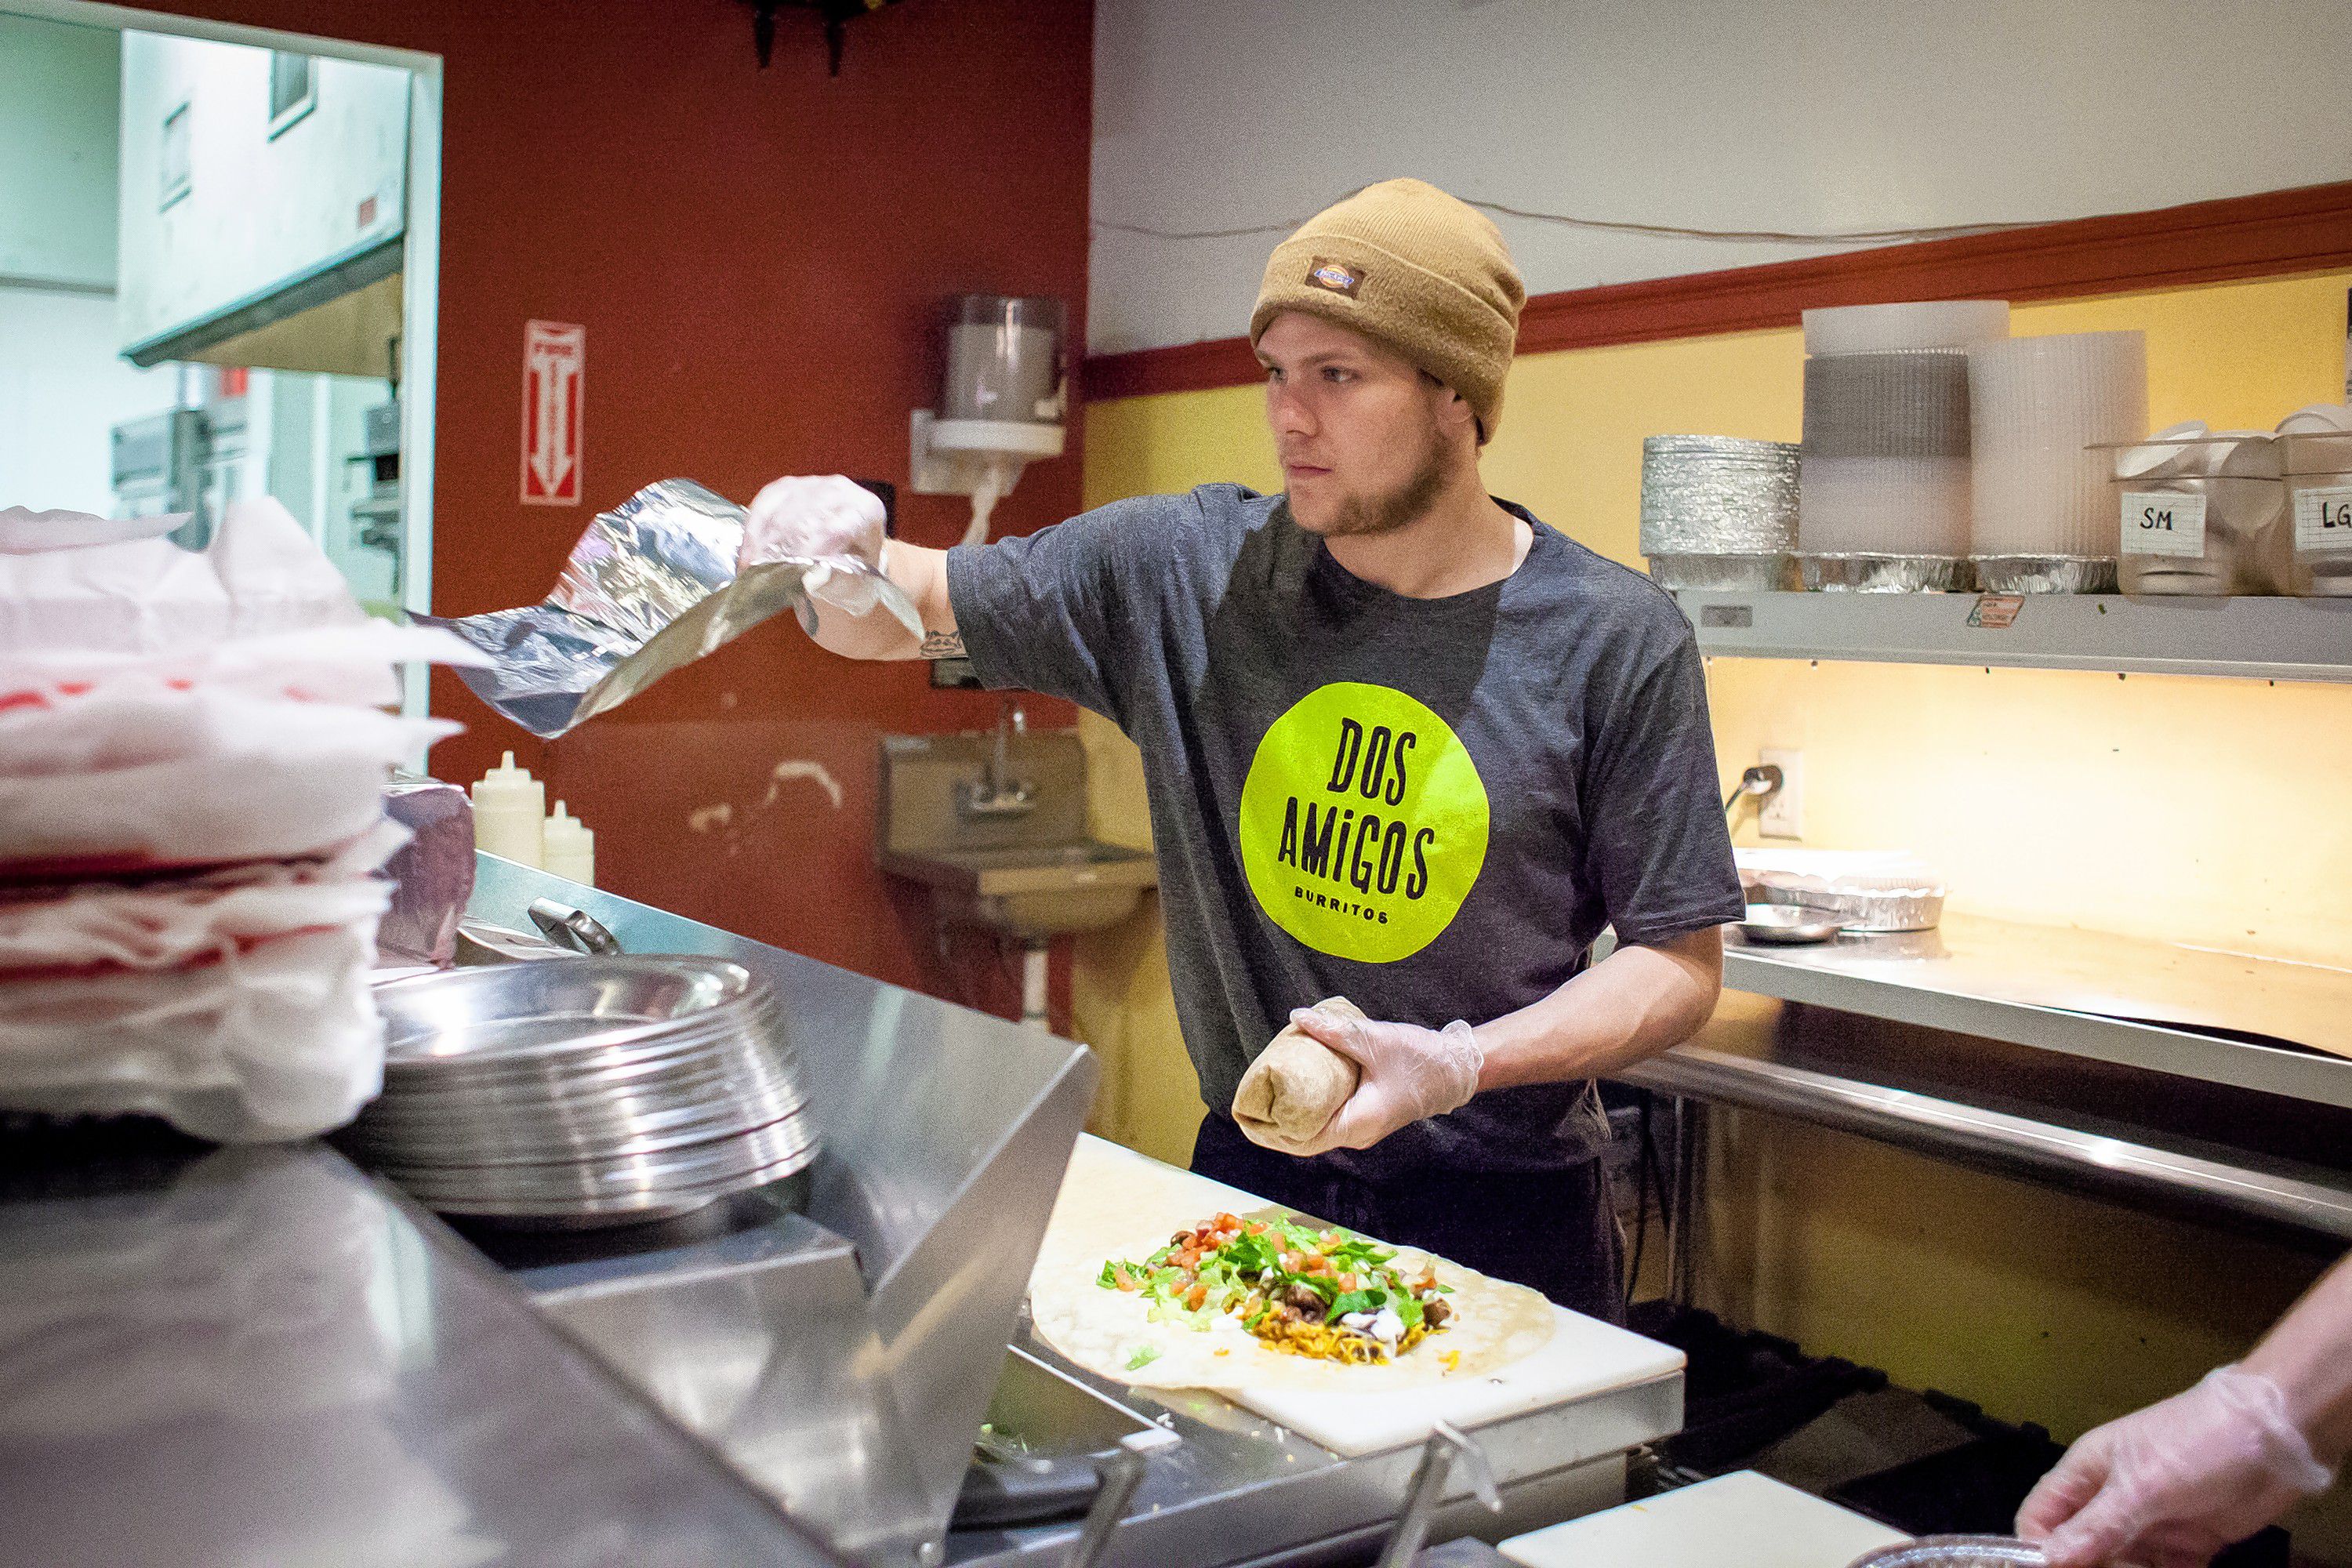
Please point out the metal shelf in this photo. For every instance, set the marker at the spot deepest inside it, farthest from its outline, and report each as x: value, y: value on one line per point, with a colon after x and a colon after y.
x: 2306, y: 1200
x: 2095, y: 994
x: 2109, y: 998
x: 2277, y: 640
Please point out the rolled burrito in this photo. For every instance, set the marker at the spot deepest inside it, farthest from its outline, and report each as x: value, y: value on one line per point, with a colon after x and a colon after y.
x: 1296, y: 1084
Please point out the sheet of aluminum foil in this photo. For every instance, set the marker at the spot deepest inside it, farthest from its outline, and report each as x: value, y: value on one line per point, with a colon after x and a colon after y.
x: 650, y: 587
x: 1718, y: 495
x: 2046, y: 573
x: 1842, y: 572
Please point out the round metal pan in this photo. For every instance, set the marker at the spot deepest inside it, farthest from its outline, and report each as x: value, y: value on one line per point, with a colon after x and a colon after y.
x: 1788, y: 925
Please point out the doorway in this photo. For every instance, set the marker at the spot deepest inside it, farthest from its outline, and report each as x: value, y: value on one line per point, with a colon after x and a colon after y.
x: 219, y: 259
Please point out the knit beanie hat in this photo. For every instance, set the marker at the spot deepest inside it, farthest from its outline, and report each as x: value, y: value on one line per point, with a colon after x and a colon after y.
x: 1403, y: 262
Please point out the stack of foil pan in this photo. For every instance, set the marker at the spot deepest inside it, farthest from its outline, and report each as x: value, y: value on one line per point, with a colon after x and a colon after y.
x: 1862, y: 890
x: 1719, y: 513
x: 583, y: 1091
x: 1837, y: 571
x: 2047, y: 573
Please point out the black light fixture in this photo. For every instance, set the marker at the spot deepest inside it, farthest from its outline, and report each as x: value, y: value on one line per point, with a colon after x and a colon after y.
x: 833, y: 13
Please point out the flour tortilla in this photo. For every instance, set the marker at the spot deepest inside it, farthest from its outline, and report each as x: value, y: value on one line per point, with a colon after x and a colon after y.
x: 1117, y: 1205
x: 1296, y: 1084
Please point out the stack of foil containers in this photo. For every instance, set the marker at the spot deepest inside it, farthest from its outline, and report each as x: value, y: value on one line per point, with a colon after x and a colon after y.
x: 1719, y: 513
x: 1887, y: 441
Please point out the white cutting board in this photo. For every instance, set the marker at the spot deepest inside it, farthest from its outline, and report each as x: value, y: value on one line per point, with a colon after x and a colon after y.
x: 1739, y: 1520
x: 1584, y: 1356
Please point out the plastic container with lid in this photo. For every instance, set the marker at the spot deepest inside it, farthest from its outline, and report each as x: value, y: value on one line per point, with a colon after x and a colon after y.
x: 509, y: 805
x: 2318, y: 466
x: 2201, y: 512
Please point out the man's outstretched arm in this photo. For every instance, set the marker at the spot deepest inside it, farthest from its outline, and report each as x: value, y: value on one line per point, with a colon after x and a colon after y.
x: 833, y: 516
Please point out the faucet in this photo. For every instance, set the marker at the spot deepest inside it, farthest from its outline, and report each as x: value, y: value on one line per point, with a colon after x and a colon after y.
x: 997, y: 793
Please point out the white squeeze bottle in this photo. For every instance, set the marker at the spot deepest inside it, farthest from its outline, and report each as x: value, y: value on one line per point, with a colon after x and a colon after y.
x: 508, y: 807
x: 571, y: 849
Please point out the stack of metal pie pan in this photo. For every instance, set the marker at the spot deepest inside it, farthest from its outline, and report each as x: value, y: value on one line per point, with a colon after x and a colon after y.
x: 574, y: 1092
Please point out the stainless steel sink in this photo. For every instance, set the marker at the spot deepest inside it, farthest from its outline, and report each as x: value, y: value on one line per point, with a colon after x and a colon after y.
x: 994, y: 824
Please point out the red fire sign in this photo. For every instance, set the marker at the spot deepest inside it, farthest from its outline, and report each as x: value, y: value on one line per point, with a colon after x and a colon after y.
x: 554, y: 369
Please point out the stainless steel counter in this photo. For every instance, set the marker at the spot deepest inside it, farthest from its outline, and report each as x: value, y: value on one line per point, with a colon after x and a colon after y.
x: 717, y: 1327
x: 1238, y: 1488
x: 259, y: 1355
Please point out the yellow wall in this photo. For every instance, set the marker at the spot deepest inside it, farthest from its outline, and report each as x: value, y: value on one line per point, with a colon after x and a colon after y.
x: 2203, y: 810
x: 2167, y: 806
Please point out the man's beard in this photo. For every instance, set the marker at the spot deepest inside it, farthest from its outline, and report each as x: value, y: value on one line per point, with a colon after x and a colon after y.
x: 1365, y: 516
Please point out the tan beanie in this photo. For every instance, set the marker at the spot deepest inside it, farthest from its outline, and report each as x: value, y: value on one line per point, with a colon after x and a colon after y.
x: 1403, y: 262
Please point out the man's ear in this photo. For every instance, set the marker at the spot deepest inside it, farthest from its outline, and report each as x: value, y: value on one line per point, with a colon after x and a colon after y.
x: 1458, y: 412
x: 1453, y: 410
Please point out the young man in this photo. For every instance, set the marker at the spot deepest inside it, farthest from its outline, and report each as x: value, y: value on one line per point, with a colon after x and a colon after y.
x: 1403, y: 743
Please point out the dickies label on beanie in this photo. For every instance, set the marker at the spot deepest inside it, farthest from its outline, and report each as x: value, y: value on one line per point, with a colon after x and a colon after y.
x: 1337, y: 276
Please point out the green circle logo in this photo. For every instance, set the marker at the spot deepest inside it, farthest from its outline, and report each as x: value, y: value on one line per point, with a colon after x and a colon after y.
x: 1363, y: 823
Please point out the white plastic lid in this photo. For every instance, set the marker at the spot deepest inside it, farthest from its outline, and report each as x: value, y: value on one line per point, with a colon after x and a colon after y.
x: 1893, y: 329
x: 560, y: 824
x: 509, y: 784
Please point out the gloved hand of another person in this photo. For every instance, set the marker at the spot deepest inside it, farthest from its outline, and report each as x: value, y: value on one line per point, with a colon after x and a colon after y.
x: 2169, y: 1486
x: 815, y: 519
x: 1409, y: 1073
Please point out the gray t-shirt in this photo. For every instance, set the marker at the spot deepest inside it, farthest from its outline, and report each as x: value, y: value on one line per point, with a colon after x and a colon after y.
x: 1431, y: 807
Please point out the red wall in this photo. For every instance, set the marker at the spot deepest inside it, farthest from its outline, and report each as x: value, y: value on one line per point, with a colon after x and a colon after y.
x: 758, y: 257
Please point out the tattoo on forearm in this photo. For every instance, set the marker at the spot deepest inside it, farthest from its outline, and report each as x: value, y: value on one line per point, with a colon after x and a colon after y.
x: 943, y: 644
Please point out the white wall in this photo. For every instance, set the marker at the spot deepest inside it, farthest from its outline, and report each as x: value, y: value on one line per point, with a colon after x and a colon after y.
x: 1832, y: 115
x: 62, y: 388
x: 261, y: 211
x: 57, y: 112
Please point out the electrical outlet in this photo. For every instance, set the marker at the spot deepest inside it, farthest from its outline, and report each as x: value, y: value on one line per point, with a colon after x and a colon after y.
x: 1781, y: 814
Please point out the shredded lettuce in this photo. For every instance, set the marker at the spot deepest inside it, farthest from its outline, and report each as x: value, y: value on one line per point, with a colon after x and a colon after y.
x: 1144, y: 1356
x: 1251, y: 1266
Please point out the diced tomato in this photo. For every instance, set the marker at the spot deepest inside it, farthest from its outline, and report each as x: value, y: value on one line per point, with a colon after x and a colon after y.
x: 1124, y: 1280
x: 1347, y: 1282
x: 1196, y: 1297
x: 1229, y: 1222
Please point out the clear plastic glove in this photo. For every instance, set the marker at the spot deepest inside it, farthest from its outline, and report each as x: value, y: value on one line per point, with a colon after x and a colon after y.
x: 825, y: 518
x: 2169, y: 1486
x: 1409, y: 1073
